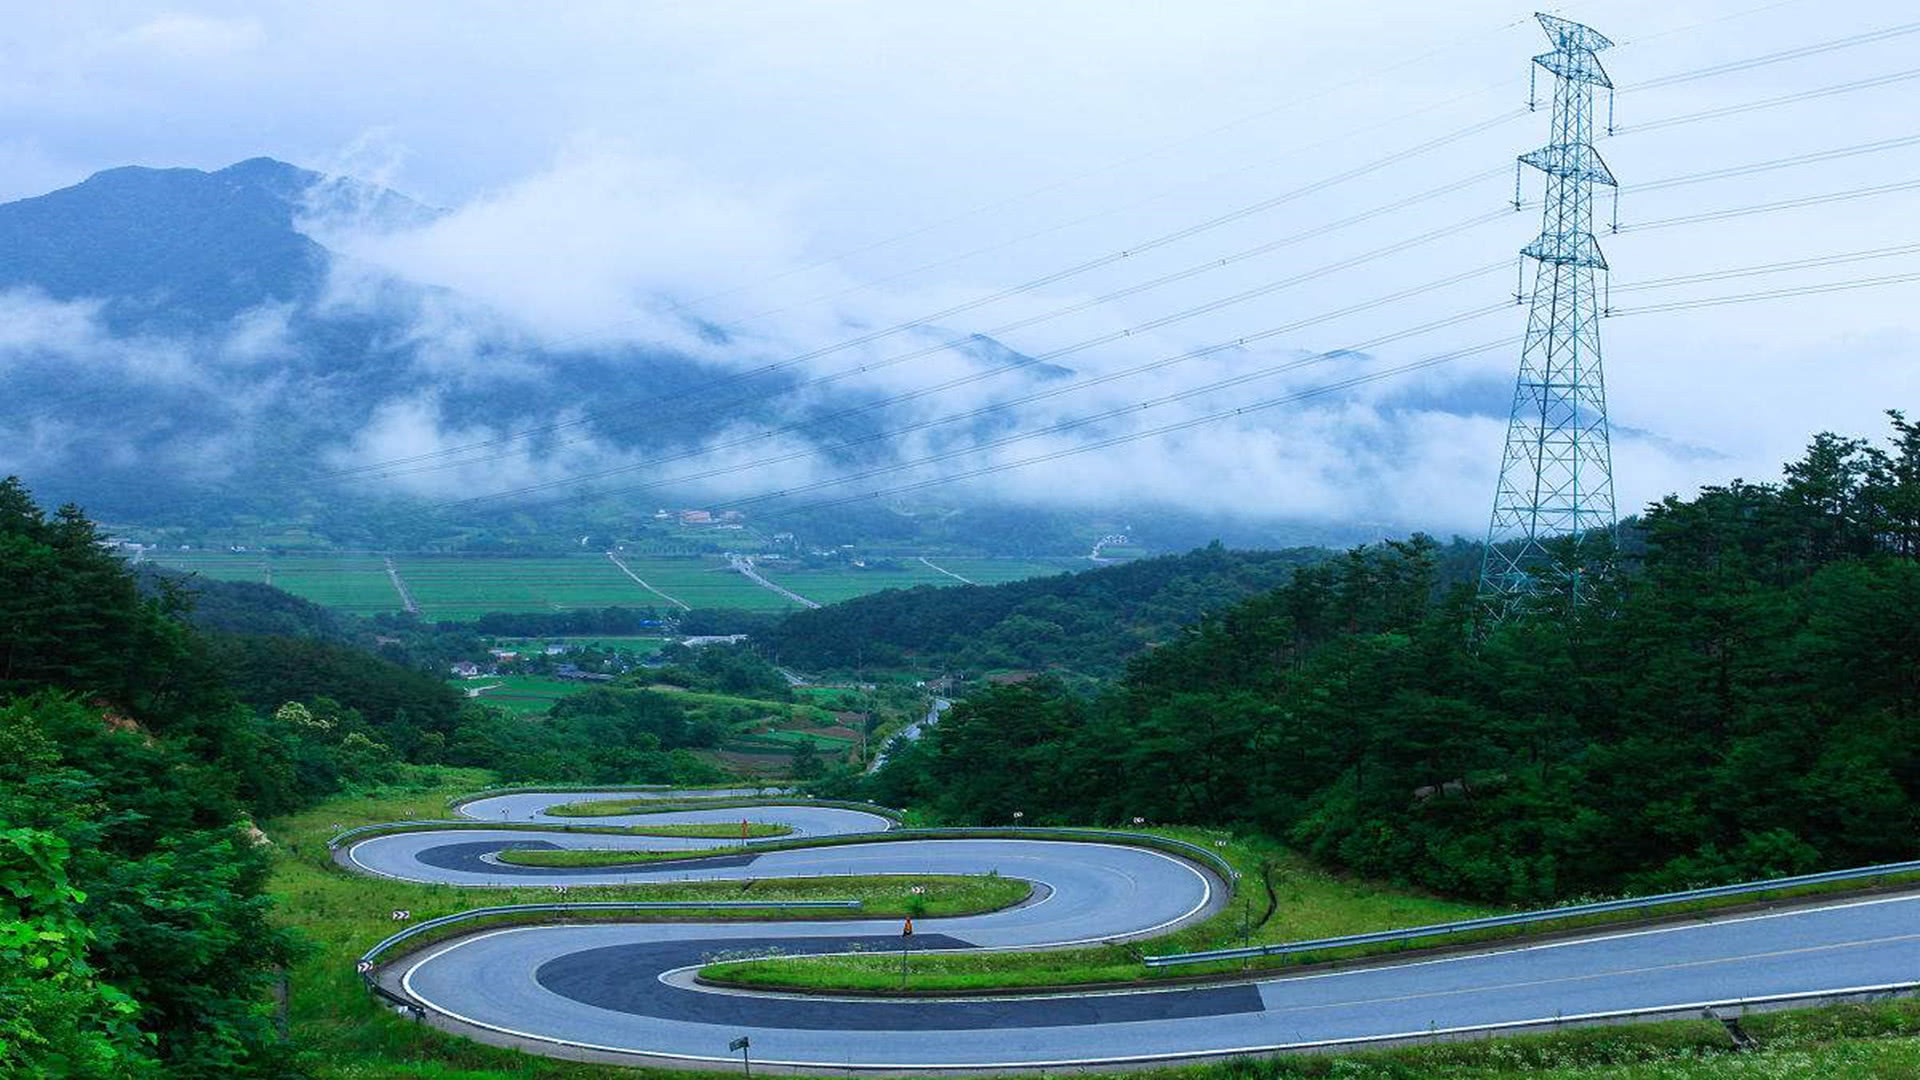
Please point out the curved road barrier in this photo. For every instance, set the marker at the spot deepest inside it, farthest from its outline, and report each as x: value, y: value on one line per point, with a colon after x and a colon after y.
x: 1649, y: 904
x: 626, y: 991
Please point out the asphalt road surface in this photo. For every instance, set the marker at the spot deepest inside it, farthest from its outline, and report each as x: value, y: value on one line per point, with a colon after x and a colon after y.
x: 627, y: 989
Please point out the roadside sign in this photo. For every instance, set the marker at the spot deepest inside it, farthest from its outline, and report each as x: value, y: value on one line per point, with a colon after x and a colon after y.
x: 907, y: 930
x: 740, y: 1043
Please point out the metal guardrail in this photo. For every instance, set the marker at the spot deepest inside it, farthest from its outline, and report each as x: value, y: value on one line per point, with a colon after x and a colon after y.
x: 371, y: 956
x: 1546, y: 915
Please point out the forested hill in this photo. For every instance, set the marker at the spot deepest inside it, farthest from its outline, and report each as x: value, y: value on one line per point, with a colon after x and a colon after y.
x: 1744, y: 700
x: 1088, y: 623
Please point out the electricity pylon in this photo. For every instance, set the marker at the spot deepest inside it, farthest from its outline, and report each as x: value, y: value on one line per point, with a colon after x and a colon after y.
x: 1556, y: 477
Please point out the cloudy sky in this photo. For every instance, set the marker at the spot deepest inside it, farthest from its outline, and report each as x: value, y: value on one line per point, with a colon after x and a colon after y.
x: 801, y: 173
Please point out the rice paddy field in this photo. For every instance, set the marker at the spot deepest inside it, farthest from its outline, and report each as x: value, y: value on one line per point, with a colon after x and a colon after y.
x: 531, y: 694
x: 845, y: 583
x: 463, y: 587
x: 454, y: 587
x: 213, y: 564
x: 988, y: 571
x: 700, y: 582
x: 356, y: 583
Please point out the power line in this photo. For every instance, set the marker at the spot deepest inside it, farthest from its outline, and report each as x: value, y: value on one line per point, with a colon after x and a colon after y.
x: 1025, y: 287
x: 1813, y: 262
x: 1770, y: 294
x: 1109, y: 337
x: 1033, y: 320
x: 1167, y: 429
x: 1773, y: 58
x: 1110, y: 166
x: 1768, y: 103
x: 590, y: 418
x: 1344, y: 384
x: 1229, y: 345
x: 1812, y: 157
x: 1106, y: 338
x: 1764, y: 208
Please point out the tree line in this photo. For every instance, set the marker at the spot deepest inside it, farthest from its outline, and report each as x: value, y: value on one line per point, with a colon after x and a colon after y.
x: 1741, y: 699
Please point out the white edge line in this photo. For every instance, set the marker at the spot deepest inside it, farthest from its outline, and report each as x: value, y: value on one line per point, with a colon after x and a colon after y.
x: 406, y: 982
x: 1600, y: 935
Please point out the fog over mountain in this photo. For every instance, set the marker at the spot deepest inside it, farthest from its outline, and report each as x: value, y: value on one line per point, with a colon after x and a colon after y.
x: 268, y: 338
x: 262, y: 332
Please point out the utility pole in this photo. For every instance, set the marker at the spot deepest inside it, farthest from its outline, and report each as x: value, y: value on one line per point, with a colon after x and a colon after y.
x: 1556, y: 476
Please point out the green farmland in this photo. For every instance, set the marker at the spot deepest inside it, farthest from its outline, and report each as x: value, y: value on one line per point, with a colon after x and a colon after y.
x: 356, y: 583
x: 983, y: 571
x: 830, y: 586
x: 462, y: 587
x: 700, y: 582
x: 213, y: 564
x: 520, y: 693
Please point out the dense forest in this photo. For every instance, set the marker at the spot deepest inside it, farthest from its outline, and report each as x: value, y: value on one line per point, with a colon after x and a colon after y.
x: 1742, y: 699
x: 1089, y: 623
x: 137, y: 749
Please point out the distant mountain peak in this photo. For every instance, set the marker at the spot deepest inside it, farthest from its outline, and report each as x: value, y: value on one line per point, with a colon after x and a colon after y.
x: 183, y: 247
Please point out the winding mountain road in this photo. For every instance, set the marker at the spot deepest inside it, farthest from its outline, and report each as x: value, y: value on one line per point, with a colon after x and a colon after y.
x: 626, y: 992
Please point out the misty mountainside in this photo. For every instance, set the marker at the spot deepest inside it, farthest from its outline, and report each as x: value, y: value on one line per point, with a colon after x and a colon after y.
x: 182, y: 344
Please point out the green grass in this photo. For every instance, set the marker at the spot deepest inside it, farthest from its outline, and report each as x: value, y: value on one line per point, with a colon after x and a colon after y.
x: 587, y: 858
x: 616, y: 807
x: 521, y: 693
x: 356, y: 583
x: 812, y: 714
x: 832, y: 585
x: 704, y: 582
x: 719, y: 830
x: 790, y: 739
x: 989, y: 571
x: 463, y: 587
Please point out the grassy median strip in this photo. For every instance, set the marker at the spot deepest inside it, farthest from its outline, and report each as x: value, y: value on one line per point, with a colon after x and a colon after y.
x: 589, y: 858
x: 618, y: 807
x: 719, y: 830
x: 592, y: 808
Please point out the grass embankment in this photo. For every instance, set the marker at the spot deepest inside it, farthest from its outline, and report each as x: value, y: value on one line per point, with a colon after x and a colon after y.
x: 619, y: 807
x: 719, y: 830
x: 343, y: 1035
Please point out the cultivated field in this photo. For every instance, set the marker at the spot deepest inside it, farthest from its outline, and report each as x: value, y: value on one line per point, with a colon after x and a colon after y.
x: 356, y: 583
x: 700, y: 582
x: 461, y: 587
x: 994, y: 571
x: 213, y: 564
x: 844, y: 583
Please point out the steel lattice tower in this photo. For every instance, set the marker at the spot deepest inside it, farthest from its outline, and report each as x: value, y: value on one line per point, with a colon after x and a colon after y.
x: 1556, y: 477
